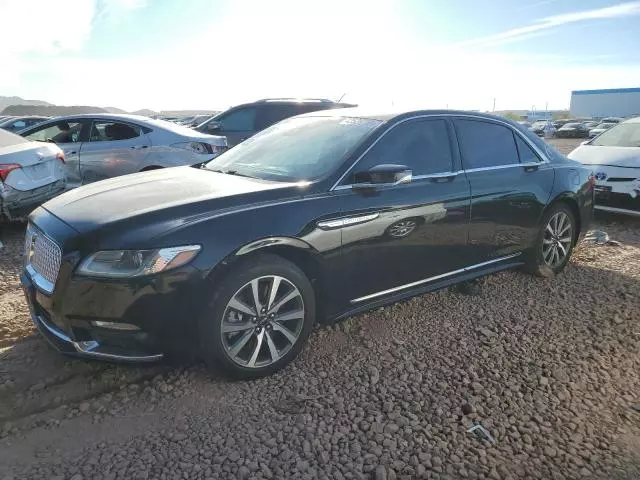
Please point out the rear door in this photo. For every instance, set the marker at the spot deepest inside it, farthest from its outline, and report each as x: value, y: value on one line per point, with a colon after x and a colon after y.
x: 510, y: 187
x: 68, y: 135
x: 114, y: 148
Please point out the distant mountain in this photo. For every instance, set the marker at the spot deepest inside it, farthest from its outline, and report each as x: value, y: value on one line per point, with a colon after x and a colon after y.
x: 20, y: 106
x: 146, y: 112
x: 113, y: 110
x: 6, y: 101
x: 50, y: 110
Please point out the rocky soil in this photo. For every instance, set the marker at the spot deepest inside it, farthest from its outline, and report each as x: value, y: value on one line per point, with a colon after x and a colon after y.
x: 549, y: 367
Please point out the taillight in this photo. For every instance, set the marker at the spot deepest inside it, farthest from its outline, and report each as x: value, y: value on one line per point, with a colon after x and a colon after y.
x: 60, y: 156
x: 6, y: 169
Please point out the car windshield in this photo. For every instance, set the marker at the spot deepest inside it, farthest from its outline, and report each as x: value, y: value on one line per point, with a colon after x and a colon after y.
x: 621, y: 135
x: 297, y: 149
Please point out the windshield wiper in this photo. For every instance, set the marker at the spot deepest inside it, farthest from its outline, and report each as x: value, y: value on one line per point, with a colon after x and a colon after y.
x: 229, y: 172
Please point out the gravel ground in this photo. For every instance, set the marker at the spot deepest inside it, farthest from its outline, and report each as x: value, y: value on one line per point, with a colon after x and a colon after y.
x: 550, y: 367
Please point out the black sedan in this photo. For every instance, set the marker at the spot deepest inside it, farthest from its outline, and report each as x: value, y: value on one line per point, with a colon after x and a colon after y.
x: 573, y: 130
x: 314, y: 219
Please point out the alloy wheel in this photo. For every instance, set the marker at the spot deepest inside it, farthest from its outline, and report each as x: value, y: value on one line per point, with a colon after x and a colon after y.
x: 556, y: 242
x: 402, y: 228
x: 262, y: 321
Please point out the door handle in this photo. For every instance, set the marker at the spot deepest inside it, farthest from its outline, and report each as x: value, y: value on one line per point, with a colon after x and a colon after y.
x: 531, y: 168
x: 442, y: 177
x: 138, y: 146
x: 70, y: 153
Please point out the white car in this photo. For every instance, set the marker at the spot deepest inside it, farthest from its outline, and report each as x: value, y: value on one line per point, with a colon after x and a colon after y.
x: 614, y: 156
x: 30, y: 174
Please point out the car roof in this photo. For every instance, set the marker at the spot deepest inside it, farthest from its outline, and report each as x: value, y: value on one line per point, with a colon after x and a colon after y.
x: 359, y: 112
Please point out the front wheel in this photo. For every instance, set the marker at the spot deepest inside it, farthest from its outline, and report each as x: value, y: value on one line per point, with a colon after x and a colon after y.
x: 259, y: 319
x: 554, y: 243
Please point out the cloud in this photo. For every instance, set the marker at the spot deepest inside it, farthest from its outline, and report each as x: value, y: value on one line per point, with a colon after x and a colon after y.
x: 517, y: 34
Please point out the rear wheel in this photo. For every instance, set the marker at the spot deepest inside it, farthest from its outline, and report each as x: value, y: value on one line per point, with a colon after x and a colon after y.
x: 555, y: 242
x: 259, y: 319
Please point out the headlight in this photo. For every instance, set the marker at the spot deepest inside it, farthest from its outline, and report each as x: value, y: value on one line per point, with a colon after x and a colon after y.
x: 135, y: 263
x: 198, y: 147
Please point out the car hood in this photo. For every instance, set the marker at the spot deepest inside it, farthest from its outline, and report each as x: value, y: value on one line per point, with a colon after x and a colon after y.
x: 161, y: 195
x: 614, y: 156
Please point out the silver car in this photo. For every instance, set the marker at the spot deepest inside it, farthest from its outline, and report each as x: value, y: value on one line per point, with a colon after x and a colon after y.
x: 99, y: 146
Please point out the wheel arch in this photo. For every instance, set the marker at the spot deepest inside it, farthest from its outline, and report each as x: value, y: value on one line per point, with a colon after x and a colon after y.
x: 569, y: 199
x: 296, y: 251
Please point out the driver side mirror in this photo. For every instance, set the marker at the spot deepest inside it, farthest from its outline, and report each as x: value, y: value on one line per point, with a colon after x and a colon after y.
x: 214, y: 126
x: 382, y: 176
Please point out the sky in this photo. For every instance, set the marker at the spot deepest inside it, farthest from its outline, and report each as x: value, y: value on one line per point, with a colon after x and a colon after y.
x: 212, y: 54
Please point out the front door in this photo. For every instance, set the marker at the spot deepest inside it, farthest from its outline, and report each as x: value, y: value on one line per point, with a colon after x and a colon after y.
x: 114, y: 148
x: 69, y: 136
x: 399, y: 237
x: 510, y: 186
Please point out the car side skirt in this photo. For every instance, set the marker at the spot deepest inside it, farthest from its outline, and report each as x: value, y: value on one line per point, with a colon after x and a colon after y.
x: 448, y: 281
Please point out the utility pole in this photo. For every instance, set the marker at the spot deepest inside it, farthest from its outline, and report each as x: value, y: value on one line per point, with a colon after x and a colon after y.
x: 494, y: 104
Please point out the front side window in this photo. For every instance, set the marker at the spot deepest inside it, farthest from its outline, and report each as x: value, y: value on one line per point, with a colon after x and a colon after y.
x: 60, y: 132
x: 296, y: 149
x: 621, y: 135
x: 272, y: 114
x: 421, y: 145
x: 527, y: 155
x: 18, y: 125
x: 241, y: 120
x: 485, y: 144
x: 106, y: 131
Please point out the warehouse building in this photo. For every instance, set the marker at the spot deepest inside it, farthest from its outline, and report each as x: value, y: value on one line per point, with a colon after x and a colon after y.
x: 615, y: 102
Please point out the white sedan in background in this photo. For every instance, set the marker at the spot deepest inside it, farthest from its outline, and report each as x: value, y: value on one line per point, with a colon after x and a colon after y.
x: 30, y: 174
x: 100, y: 146
x: 615, y: 158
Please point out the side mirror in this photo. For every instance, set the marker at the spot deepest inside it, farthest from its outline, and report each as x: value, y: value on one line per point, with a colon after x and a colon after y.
x: 214, y: 126
x: 382, y: 176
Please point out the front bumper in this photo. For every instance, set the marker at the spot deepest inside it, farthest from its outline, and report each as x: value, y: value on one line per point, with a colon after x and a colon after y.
x: 83, y: 316
x: 87, y: 348
x: 15, y: 204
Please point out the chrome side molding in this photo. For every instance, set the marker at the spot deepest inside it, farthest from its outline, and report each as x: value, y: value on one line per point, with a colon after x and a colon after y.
x: 432, y: 279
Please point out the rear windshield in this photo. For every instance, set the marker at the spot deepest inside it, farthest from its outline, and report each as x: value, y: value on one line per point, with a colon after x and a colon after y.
x: 8, y: 138
x: 622, y: 135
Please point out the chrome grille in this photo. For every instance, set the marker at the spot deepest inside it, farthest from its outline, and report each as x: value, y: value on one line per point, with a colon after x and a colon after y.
x: 42, y: 255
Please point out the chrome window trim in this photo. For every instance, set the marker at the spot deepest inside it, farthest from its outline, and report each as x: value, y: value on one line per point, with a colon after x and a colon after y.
x: 431, y: 279
x: 543, y: 157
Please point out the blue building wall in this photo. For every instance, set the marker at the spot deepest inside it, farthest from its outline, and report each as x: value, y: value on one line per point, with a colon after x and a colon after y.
x: 615, y: 102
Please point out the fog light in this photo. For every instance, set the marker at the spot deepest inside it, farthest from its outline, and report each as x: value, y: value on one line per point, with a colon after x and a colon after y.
x: 116, y: 326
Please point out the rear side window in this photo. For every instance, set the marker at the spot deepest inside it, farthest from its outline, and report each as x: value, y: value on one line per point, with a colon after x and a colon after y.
x: 421, y: 145
x: 241, y: 120
x: 105, y: 131
x: 485, y: 144
x: 527, y: 155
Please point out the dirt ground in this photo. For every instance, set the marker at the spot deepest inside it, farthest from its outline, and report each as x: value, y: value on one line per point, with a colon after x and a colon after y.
x: 551, y: 367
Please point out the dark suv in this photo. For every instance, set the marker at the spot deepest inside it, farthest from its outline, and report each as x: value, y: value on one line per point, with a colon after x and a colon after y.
x: 242, y: 121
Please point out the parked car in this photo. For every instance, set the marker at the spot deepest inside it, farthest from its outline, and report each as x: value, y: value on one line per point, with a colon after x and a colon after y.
x: 614, y: 156
x: 243, y: 121
x: 238, y: 259
x: 538, y: 127
x: 99, y: 146
x: 591, y: 124
x: 572, y: 130
x: 30, y: 174
x: 15, y: 124
x: 601, y: 127
x: 612, y: 119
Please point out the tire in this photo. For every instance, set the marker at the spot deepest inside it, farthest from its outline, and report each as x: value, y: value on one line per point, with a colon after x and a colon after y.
x: 249, y: 344
x: 541, y: 259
